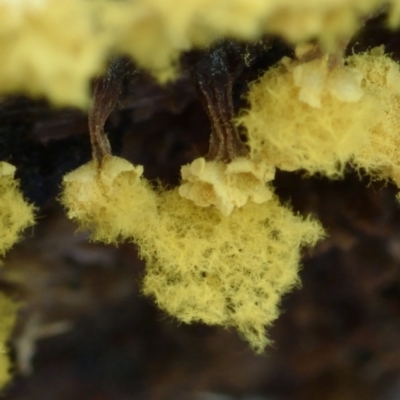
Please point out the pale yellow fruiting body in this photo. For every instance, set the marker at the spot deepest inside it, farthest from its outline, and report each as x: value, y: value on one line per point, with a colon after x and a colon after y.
x: 380, y: 156
x: 229, y: 271
x: 308, y: 116
x: 15, y: 213
x: 226, y: 186
x: 113, y: 201
x: 8, y: 311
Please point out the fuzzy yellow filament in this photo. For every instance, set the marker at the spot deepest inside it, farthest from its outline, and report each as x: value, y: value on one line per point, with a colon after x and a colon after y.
x: 229, y: 271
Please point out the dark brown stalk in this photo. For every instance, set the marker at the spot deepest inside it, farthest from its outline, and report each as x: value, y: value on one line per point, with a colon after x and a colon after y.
x: 214, y: 73
x: 105, y: 97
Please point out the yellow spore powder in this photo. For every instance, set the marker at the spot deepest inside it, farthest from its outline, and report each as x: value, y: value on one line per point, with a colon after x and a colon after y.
x: 15, y: 213
x: 229, y: 271
x: 308, y: 116
x: 113, y: 201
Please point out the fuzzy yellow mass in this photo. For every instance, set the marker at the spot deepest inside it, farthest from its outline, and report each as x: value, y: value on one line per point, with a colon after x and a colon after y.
x: 15, y: 213
x: 308, y: 115
x: 229, y: 271
x: 50, y: 48
x: 113, y: 201
x: 54, y: 48
x: 380, y: 155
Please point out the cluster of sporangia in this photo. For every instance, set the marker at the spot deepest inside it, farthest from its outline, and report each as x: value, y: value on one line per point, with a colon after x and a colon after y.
x: 221, y: 248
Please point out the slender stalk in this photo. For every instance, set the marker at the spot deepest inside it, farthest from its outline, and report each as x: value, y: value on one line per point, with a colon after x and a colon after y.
x: 105, y: 97
x: 214, y: 75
